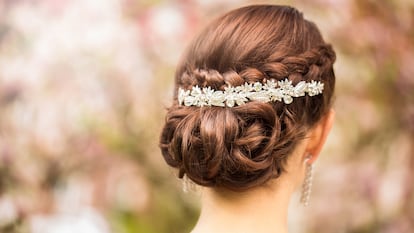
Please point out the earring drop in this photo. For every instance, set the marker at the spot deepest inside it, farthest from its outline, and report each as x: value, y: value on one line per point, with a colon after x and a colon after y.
x: 188, y: 184
x: 307, y: 184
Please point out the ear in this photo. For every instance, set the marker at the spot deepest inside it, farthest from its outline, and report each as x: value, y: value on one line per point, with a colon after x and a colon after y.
x: 318, y: 134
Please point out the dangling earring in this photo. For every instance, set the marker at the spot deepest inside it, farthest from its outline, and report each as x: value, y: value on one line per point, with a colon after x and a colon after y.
x: 307, y: 184
x: 188, y: 185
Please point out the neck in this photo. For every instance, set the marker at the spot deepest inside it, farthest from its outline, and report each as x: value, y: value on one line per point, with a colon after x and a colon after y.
x: 262, y: 210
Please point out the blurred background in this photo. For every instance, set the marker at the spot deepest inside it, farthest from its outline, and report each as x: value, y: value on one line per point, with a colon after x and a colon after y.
x: 83, y: 90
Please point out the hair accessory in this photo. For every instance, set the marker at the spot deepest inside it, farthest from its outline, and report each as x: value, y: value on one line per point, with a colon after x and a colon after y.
x: 231, y: 96
x: 307, y: 184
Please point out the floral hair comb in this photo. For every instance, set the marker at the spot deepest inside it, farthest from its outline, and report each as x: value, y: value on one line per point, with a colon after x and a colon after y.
x: 271, y: 91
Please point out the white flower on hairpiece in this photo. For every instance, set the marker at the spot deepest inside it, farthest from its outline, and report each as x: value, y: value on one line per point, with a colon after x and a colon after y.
x: 287, y: 90
x: 282, y: 90
x: 257, y: 86
x: 276, y: 94
x: 182, y: 94
x: 285, y: 84
x: 315, y: 88
x: 230, y: 94
x: 208, y: 92
x: 218, y: 99
x: 270, y: 84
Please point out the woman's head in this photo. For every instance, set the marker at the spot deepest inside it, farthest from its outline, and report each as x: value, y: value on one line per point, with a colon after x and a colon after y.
x: 246, y: 145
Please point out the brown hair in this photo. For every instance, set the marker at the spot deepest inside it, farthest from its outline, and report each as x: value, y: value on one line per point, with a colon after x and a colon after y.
x: 244, y: 146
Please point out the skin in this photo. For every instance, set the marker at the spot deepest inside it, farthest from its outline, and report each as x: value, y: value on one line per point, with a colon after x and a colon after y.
x: 263, y: 209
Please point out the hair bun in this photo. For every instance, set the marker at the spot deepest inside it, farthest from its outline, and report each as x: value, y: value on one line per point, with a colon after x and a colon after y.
x: 233, y: 148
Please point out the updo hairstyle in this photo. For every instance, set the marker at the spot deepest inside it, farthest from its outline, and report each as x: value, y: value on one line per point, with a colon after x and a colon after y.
x: 242, y: 147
